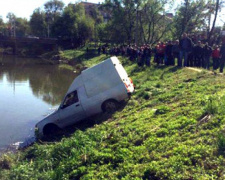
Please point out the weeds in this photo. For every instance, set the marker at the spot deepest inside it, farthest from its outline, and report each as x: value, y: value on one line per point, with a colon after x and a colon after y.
x: 6, y: 162
x: 211, y: 105
x: 221, y: 143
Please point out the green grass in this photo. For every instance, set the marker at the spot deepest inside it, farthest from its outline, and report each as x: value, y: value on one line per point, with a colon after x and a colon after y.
x: 66, y: 66
x: 171, y: 128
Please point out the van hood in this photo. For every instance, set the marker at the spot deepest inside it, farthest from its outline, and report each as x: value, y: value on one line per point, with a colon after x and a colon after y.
x: 51, y: 118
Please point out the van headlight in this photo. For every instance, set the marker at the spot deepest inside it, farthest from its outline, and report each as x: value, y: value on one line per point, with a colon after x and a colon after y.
x: 36, y: 131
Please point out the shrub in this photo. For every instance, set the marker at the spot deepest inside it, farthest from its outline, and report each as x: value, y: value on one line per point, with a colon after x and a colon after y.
x: 221, y: 143
x: 211, y: 105
x: 146, y: 95
x: 162, y: 110
x: 5, y: 162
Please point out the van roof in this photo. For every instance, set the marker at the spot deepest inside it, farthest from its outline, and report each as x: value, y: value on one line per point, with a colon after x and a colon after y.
x: 87, y: 74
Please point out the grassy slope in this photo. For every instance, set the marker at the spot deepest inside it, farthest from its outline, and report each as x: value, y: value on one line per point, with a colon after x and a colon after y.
x: 172, y: 128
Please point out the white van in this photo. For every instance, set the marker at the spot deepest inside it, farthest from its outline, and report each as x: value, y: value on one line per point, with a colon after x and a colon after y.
x: 97, y: 89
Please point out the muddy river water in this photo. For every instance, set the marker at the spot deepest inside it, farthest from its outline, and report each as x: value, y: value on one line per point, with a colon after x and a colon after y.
x: 29, y: 90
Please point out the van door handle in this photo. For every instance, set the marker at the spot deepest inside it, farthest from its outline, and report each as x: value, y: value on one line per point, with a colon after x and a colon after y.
x: 77, y: 105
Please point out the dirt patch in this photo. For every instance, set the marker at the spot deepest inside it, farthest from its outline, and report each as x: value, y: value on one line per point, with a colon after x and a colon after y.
x: 195, y: 69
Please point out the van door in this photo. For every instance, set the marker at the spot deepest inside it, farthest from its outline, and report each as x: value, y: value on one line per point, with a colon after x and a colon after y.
x: 71, y: 110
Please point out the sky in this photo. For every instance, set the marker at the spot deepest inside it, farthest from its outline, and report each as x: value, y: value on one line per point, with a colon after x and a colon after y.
x: 24, y: 8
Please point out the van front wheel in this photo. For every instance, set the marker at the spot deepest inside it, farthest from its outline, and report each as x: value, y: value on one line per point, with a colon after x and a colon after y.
x: 50, y: 129
x: 110, y: 106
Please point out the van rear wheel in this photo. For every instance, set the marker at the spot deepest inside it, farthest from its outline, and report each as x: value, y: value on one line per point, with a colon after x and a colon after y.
x: 110, y: 106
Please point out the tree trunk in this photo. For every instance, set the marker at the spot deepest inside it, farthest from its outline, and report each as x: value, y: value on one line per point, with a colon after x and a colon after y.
x: 214, y: 22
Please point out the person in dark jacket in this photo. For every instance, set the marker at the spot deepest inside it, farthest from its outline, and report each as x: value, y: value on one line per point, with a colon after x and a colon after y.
x: 156, y: 51
x: 148, y: 53
x: 222, y: 59
x: 161, y: 52
x: 176, y: 53
x: 207, y: 51
x: 185, y: 48
x: 198, y: 54
x: 99, y: 50
x: 168, y: 53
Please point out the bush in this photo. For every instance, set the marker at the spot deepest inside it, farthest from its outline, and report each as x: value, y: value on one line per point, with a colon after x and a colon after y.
x: 5, y: 162
x: 211, y: 105
x: 162, y: 110
x: 221, y: 143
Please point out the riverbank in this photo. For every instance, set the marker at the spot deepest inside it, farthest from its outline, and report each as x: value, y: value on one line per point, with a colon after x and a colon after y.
x: 171, y: 128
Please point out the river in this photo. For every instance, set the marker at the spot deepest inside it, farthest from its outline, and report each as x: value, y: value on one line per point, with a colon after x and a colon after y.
x: 29, y: 90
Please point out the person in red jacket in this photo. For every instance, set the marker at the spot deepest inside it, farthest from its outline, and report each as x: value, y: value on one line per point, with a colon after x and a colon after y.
x: 156, y: 57
x: 161, y: 52
x: 216, y: 57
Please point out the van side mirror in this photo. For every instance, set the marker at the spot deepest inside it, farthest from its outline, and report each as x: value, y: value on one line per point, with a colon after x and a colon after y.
x: 62, y: 106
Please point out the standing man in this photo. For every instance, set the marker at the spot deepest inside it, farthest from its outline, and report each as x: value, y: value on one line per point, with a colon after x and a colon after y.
x: 169, y: 53
x: 161, y: 52
x: 222, y: 59
x: 198, y: 54
x: 207, y: 51
x: 216, y: 57
x: 148, y: 53
x: 185, y: 48
x: 176, y: 53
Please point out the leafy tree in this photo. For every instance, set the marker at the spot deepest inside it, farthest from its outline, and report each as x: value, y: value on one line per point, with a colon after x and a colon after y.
x: 122, y: 29
x: 103, y: 32
x: 141, y: 22
x: 38, y: 24
x: 11, y: 24
x: 214, y: 8
x: 153, y: 23
x: 22, y: 27
x: 17, y: 27
x: 53, y: 10
x: 191, y: 16
x: 3, y: 27
x: 74, y: 25
x: 95, y: 15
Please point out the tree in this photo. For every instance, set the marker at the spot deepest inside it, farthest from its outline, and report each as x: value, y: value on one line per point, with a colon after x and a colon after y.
x: 190, y: 17
x: 53, y: 10
x: 153, y: 22
x: 38, y: 24
x: 22, y: 27
x: 122, y: 22
x: 3, y: 27
x: 74, y: 25
x: 95, y: 15
x: 11, y: 24
x: 213, y: 8
x: 142, y: 21
x: 17, y: 27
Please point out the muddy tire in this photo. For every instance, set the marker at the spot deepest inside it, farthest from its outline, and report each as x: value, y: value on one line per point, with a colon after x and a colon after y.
x: 110, y: 106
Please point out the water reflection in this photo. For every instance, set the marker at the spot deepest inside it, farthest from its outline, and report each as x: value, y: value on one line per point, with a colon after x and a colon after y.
x: 28, y: 88
x: 47, y: 82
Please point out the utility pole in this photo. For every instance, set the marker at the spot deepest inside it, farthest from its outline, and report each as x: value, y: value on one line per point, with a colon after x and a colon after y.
x: 48, y: 21
x: 12, y: 21
x: 136, y: 28
x: 14, y: 27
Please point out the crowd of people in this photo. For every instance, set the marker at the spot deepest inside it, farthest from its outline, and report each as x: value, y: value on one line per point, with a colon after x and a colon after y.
x: 183, y: 53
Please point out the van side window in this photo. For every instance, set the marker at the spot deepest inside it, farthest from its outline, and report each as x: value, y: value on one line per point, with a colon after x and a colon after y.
x: 70, y: 99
